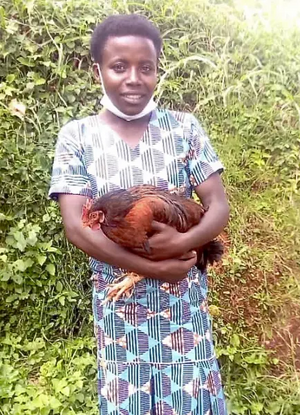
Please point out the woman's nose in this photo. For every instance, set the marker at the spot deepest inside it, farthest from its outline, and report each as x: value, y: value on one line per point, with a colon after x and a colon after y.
x: 133, y: 76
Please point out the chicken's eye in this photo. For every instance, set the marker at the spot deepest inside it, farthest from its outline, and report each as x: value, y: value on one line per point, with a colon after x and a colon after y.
x: 97, y: 216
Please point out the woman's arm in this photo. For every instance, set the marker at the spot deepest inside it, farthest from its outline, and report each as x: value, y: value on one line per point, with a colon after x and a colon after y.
x: 98, y: 246
x: 212, y: 195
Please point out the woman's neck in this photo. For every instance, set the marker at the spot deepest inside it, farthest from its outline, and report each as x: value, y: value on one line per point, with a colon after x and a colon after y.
x: 113, y: 120
x: 129, y: 131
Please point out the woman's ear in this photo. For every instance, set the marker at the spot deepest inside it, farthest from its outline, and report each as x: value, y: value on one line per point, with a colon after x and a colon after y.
x: 96, y: 72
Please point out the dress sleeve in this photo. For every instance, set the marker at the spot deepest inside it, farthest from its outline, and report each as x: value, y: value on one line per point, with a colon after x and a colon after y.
x: 202, y: 158
x: 69, y: 174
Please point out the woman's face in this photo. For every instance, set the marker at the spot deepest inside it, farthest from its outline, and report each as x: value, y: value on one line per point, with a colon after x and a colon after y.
x: 129, y: 72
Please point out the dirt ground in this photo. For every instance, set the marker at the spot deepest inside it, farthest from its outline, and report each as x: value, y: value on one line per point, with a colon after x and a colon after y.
x: 277, y: 327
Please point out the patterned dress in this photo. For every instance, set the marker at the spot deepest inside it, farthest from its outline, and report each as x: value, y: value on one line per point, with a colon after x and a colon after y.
x: 155, y: 350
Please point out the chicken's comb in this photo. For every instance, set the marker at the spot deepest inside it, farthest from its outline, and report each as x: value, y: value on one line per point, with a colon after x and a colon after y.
x: 86, y: 209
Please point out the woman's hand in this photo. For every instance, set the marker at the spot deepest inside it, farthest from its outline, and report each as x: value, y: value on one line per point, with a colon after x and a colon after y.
x: 166, y: 243
x: 173, y: 270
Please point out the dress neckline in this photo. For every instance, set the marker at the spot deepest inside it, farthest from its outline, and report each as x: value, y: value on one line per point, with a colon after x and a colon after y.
x: 146, y: 132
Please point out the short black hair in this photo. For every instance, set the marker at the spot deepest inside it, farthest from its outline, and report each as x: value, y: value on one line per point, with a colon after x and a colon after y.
x: 123, y: 25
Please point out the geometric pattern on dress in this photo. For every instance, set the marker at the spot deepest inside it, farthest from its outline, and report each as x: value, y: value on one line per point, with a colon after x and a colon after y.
x: 160, y: 323
x: 155, y: 349
x: 155, y: 353
x: 161, y: 389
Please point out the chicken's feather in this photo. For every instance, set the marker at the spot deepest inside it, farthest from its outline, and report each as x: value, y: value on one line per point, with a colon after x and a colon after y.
x: 129, y: 215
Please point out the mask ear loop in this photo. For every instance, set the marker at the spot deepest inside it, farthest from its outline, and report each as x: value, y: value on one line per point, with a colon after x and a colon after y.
x: 100, y: 76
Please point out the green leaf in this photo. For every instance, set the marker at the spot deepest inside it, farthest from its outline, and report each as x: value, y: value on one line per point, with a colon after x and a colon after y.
x: 26, y: 62
x: 51, y: 269
x: 6, y: 276
x: 62, y: 300
x: 59, y: 384
x: 80, y: 397
x: 235, y: 340
x: 66, y: 391
x: 41, y: 259
x: 54, y: 403
x: 32, y: 238
x: 10, y: 240
x: 46, y: 217
x: 20, y: 241
x: 59, y: 286
x: 40, y: 81
x: 3, y: 258
x: 17, y: 278
x: 22, y: 265
x: 256, y: 407
x: 10, y: 78
x: 11, y: 298
x: 41, y: 401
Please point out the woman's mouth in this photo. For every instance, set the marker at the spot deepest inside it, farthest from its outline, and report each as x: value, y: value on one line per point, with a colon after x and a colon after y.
x: 133, y: 98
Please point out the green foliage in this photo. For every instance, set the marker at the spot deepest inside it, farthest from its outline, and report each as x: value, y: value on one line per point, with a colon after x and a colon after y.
x: 239, y: 72
x: 44, y: 378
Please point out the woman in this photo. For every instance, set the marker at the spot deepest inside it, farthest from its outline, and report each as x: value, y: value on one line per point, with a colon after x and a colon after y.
x: 155, y: 350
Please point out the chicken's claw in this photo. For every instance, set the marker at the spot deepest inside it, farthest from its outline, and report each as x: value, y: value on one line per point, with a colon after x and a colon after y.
x: 123, y: 285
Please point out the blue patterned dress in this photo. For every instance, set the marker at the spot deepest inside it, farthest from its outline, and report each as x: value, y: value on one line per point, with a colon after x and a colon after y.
x: 155, y: 350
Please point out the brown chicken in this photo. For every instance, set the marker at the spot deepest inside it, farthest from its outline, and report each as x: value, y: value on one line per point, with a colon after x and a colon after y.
x: 125, y: 217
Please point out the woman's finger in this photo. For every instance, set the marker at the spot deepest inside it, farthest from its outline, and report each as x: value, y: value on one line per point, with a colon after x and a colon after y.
x: 190, y: 262
x: 141, y: 252
x: 188, y: 255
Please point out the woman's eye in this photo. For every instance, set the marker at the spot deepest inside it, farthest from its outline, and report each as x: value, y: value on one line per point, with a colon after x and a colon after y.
x: 119, y: 67
x: 146, y: 68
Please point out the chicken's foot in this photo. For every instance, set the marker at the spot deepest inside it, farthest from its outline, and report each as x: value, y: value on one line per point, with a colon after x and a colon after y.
x: 123, y: 285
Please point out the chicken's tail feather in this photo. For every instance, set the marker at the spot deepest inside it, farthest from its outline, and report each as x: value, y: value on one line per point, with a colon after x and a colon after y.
x: 209, y: 254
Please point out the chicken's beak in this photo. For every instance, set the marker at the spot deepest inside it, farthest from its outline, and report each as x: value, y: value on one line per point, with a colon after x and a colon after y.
x: 101, y: 216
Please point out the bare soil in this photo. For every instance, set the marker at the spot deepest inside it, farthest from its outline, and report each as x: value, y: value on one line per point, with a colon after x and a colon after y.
x: 242, y: 303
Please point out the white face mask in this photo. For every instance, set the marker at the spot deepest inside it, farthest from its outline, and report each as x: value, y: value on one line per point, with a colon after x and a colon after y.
x: 108, y: 104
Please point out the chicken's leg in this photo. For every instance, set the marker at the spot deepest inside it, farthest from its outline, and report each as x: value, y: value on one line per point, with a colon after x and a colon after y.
x: 122, y: 286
